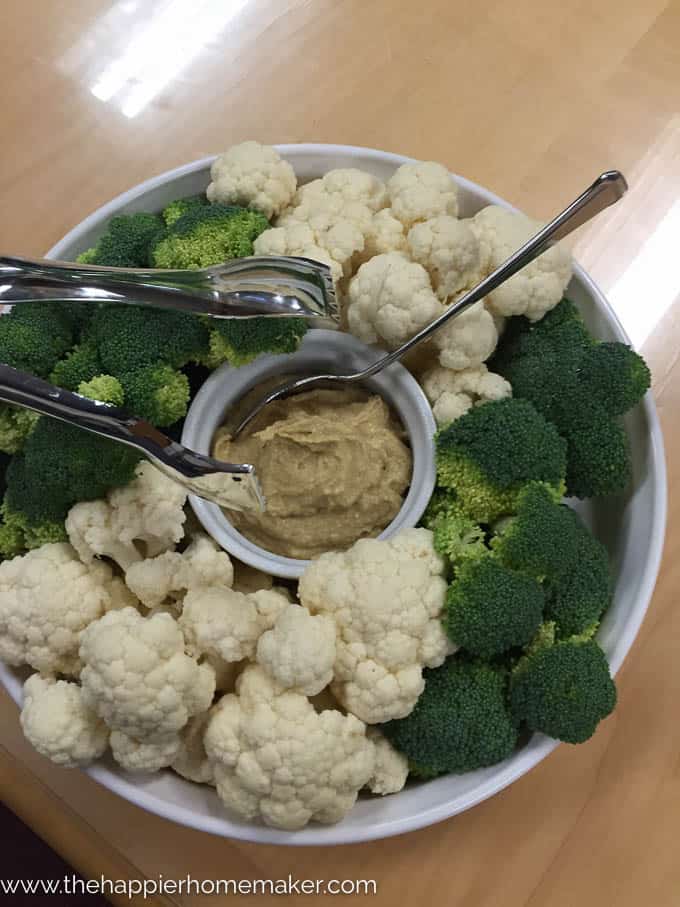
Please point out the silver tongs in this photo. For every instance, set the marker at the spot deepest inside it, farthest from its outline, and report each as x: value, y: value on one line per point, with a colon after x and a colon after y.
x: 232, y: 485
x: 244, y: 288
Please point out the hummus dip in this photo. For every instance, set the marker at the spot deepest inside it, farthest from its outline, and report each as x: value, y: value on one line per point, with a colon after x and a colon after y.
x: 333, y: 465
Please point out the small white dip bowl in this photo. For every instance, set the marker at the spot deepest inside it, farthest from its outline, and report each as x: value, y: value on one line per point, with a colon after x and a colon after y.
x: 320, y: 351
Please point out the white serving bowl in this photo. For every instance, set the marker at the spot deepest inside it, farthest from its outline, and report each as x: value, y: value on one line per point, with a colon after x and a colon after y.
x: 320, y: 351
x: 632, y: 528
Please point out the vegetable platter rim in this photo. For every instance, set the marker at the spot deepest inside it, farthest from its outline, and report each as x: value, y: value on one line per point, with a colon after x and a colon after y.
x: 640, y: 522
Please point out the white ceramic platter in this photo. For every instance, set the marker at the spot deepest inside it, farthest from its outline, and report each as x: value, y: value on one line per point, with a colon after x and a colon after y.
x: 633, y: 529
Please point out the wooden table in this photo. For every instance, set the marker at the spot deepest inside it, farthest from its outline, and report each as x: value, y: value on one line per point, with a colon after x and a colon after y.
x: 530, y: 99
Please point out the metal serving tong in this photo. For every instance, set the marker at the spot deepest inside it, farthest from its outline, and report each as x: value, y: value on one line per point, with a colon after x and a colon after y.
x: 232, y: 485
x: 244, y: 288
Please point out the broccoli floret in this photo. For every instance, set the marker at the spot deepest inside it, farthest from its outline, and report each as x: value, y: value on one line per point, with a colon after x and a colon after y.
x: 180, y: 206
x: 491, y: 452
x: 548, y: 542
x: 18, y: 533
x: 38, y: 534
x: 61, y: 465
x: 126, y: 241
x: 541, y: 359
x: 563, y: 690
x: 207, y: 235
x: 34, y: 337
x: 128, y: 338
x: 460, y: 723
x: 560, y: 329
x: 455, y: 536
x: 15, y: 426
x: 564, y: 313
x: 598, y: 458
x: 582, y: 386
x: 78, y: 314
x: 442, y: 503
x: 578, y: 597
x: 239, y: 341
x: 527, y: 376
x: 157, y: 393
x: 81, y: 364
x: 490, y: 608
x: 540, y: 539
x: 104, y: 388
x: 612, y: 377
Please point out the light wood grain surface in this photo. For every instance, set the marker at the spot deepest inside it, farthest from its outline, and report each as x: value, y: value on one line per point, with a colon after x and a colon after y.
x: 531, y: 99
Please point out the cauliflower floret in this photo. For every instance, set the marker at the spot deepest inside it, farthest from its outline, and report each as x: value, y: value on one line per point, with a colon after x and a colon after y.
x: 191, y: 762
x: 275, y: 757
x: 454, y: 393
x: 209, y: 564
x: 293, y: 239
x: 144, y: 518
x: 299, y: 239
x: 390, y: 300
x: 391, y: 767
x: 338, y: 212
x: 305, y: 193
x: 142, y: 755
x: 254, y: 176
x: 345, y: 185
x: 421, y: 191
x: 468, y: 339
x: 47, y: 598
x: 270, y: 603
x: 299, y: 651
x: 228, y: 624
x: 385, y: 598
x: 59, y: 724
x: 150, y: 510
x: 90, y: 529
x: 137, y: 677
x: 449, y: 250
x: 343, y: 241
x: 171, y: 574
x: 385, y: 234
x: 539, y: 286
x: 320, y: 212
